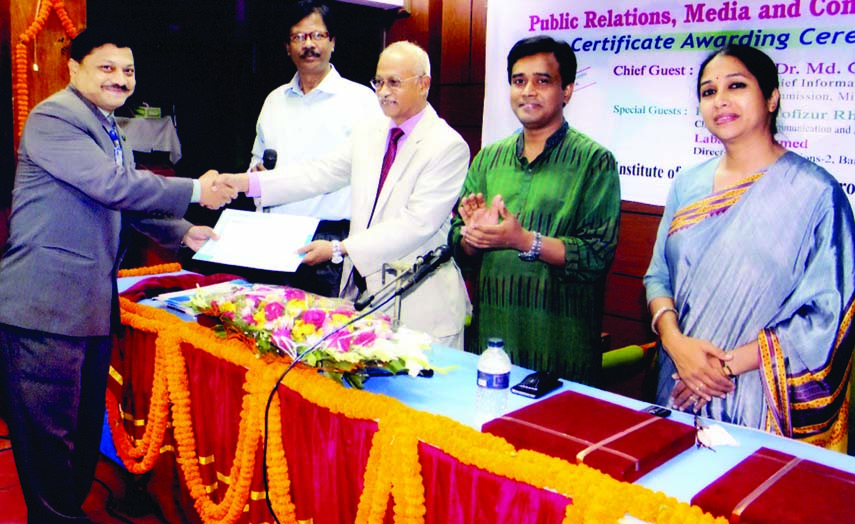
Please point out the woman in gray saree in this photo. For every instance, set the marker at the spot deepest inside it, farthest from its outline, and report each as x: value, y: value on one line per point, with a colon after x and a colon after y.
x: 752, y: 277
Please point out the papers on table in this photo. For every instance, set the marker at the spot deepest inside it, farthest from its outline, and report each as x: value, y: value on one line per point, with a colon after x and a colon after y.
x: 715, y: 436
x: 259, y: 240
x: 180, y: 300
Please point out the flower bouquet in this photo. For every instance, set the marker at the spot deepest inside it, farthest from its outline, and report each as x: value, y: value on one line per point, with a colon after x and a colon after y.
x: 287, y: 321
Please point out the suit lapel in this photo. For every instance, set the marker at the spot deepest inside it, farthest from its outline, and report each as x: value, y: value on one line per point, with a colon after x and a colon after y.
x: 365, y: 192
x: 402, y: 159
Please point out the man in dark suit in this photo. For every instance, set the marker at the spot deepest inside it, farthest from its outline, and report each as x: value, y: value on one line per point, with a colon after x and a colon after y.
x: 76, y: 193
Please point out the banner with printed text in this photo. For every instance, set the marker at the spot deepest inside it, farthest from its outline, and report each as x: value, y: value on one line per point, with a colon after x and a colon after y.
x: 635, y: 89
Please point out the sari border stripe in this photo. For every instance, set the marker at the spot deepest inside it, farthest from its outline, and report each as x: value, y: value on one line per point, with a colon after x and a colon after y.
x: 713, y: 205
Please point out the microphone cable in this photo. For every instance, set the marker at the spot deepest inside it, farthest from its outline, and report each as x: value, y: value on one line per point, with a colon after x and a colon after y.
x: 299, y: 358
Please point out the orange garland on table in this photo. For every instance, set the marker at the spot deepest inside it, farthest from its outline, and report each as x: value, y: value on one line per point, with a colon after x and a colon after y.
x: 173, y: 366
x: 230, y: 508
x: 377, y: 484
x: 279, y: 481
x: 21, y: 85
x: 172, y: 267
x: 139, y: 459
x: 393, y: 466
x: 408, y: 488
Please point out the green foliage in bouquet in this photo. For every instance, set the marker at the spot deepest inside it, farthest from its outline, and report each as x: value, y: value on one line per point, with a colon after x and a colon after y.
x: 288, y: 321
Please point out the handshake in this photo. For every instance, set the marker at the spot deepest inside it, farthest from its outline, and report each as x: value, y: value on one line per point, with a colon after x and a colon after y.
x: 220, y: 189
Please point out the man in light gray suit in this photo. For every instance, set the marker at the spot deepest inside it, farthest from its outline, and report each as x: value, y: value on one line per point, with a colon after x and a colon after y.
x: 76, y: 193
x: 403, y: 191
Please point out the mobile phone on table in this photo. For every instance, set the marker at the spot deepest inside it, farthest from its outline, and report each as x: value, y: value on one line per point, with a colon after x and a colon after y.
x: 658, y: 411
x: 537, y: 384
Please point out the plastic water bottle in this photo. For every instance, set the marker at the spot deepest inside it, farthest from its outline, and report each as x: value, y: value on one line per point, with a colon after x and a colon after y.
x: 494, y: 376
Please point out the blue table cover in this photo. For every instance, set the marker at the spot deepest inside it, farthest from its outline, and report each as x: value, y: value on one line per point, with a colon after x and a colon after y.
x: 453, y: 394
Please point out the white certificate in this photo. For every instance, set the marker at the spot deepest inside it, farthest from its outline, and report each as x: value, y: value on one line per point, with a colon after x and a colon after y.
x: 259, y: 240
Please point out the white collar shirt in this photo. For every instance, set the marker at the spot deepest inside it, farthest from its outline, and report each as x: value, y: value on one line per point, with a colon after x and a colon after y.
x: 303, y: 127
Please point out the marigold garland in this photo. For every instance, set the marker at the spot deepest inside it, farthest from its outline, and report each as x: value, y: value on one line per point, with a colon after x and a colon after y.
x: 377, y: 484
x: 172, y: 267
x: 141, y: 458
x: 393, y: 466
x: 173, y: 333
x: 277, y: 463
x: 21, y: 84
x: 230, y: 508
x: 408, y: 487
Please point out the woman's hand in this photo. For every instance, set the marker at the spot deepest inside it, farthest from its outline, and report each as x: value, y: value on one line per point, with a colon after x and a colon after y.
x: 698, y: 365
x: 683, y: 398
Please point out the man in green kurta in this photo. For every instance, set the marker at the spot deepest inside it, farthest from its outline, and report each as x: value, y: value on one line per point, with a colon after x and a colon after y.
x: 538, y: 223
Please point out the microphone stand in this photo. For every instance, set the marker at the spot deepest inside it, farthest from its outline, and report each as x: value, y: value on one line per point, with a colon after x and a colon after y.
x: 299, y: 358
x: 399, y: 275
x: 417, y: 272
x: 361, y: 303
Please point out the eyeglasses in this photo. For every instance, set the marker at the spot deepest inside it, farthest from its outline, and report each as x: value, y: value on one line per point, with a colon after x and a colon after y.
x: 315, y: 36
x: 393, y: 83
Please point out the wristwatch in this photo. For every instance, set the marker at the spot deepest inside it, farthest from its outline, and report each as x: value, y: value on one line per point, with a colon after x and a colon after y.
x: 336, y: 253
x: 533, y: 253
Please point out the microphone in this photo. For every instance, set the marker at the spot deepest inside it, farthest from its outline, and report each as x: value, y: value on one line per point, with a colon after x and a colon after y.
x: 424, y: 265
x: 268, y: 159
x: 433, y: 260
x: 363, y: 301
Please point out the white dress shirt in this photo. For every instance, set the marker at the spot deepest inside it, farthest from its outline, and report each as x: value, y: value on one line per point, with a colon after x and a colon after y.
x: 309, y: 126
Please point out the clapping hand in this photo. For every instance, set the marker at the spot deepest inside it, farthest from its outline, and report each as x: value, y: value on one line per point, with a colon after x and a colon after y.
x: 216, y: 191
x: 473, y: 210
x: 487, y: 231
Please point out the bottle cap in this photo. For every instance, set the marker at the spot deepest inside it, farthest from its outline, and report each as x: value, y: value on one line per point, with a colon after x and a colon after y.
x: 495, y: 342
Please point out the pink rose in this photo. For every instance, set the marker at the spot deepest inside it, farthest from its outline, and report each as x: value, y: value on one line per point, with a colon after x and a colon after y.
x: 316, y: 317
x: 281, y: 338
x: 273, y: 311
x: 282, y: 333
x: 340, y: 341
x: 364, y: 338
x: 294, y: 294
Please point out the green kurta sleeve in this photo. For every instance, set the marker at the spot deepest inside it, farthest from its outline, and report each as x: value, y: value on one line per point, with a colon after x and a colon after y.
x: 550, y: 317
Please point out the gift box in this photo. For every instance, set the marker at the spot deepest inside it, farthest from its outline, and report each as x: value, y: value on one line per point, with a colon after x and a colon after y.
x: 616, y: 440
x: 773, y: 487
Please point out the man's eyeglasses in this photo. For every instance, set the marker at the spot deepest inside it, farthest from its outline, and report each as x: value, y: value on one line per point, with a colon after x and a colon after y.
x: 315, y: 36
x: 393, y: 83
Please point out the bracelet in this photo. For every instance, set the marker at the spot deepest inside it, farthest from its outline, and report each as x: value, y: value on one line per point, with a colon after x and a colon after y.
x: 336, y: 253
x: 658, y: 315
x: 533, y: 253
x: 727, y: 371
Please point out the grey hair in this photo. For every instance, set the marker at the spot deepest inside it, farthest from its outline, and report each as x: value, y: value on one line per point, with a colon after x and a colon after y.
x: 423, y: 61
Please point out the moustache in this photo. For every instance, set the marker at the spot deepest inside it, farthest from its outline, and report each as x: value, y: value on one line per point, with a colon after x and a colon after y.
x: 118, y: 86
x: 310, y: 53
